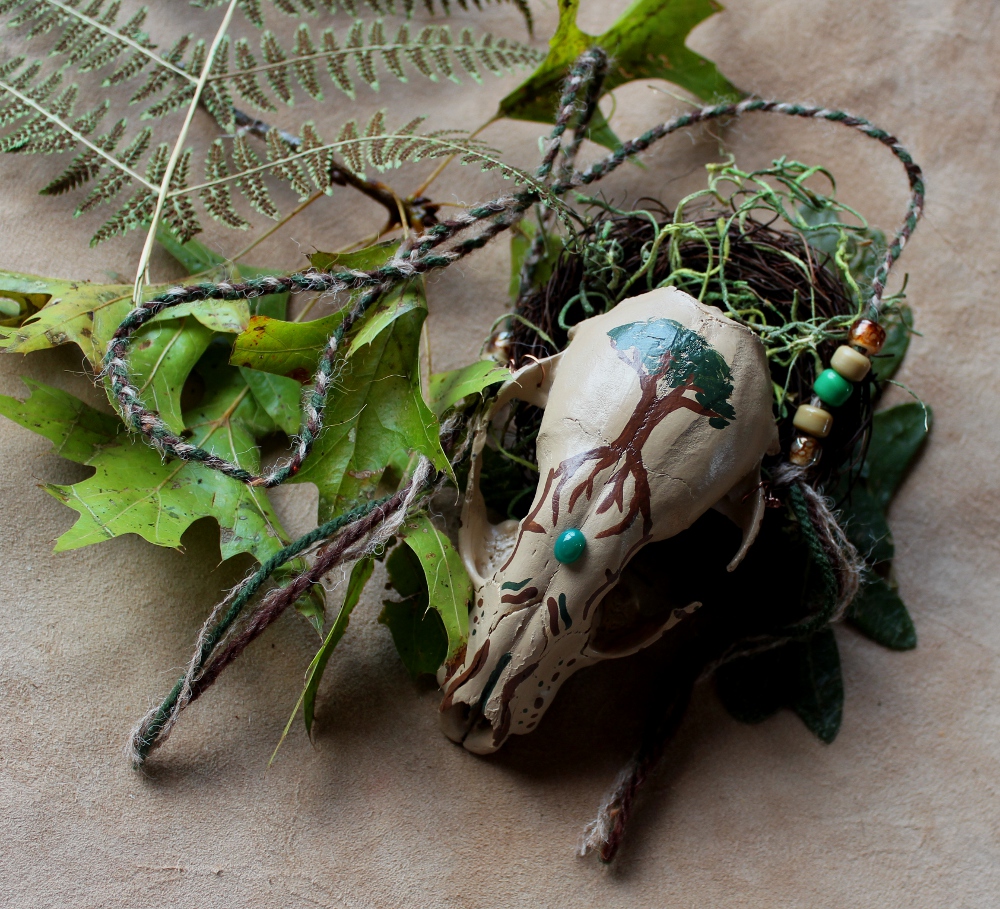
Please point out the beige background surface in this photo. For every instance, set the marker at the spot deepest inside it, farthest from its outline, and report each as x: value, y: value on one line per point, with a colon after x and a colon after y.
x: 902, y: 810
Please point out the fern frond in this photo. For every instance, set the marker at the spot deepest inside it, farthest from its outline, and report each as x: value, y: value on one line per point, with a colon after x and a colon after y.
x: 139, y: 208
x: 276, y: 69
x: 115, y: 181
x: 178, y: 211
x: 183, y: 91
x: 289, y: 171
x: 162, y: 74
x: 52, y: 140
x: 250, y: 8
x: 432, y: 52
x: 319, y: 163
x: 248, y: 178
x: 215, y: 97
x: 405, y: 8
x: 87, y: 165
x: 335, y: 64
x: 246, y: 83
x: 305, y: 65
x: 96, y: 37
x: 356, y: 148
x: 216, y: 197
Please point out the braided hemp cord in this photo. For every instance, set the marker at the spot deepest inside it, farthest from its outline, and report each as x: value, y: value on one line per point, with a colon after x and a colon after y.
x: 150, y: 728
x: 418, y: 258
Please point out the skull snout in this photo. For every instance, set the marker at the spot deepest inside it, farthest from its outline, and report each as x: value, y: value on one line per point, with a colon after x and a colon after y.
x: 506, y: 685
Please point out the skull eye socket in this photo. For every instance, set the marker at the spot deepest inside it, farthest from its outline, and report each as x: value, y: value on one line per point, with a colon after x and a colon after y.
x: 569, y: 546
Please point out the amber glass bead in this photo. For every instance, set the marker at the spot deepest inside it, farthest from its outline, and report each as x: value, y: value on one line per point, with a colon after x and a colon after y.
x: 805, y: 450
x: 813, y: 420
x: 850, y: 363
x: 868, y: 335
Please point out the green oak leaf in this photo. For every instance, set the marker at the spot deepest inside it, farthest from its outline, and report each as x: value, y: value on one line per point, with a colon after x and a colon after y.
x: 376, y: 413
x: 647, y: 42
x: 279, y: 396
x: 417, y: 632
x: 288, y: 349
x: 73, y: 312
x: 134, y: 491
x: 161, y: 357
x: 448, y: 588
x: 79, y: 312
x: 448, y: 388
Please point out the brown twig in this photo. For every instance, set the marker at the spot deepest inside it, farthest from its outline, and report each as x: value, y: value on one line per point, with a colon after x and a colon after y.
x: 420, y: 213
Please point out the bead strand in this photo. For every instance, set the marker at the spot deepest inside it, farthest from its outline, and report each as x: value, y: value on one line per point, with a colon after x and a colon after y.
x: 849, y: 365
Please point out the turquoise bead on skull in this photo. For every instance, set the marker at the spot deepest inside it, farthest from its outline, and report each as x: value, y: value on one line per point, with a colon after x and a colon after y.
x: 569, y: 546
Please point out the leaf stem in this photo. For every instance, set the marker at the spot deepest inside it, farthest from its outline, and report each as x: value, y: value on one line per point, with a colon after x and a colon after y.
x: 423, y: 187
x: 168, y: 174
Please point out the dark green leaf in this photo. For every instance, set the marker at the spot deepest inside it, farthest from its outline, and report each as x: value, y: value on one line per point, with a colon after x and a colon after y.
x: 360, y: 574
x: 449, y: 590
x: 899, y: 328
x: 647, y: 42
x: 819, y: 690
x: 802, y: 675
x: 880, y: 614
x: 417, y: 631
x: 279, y: 396
x: 866, y: 526
x: 897, y: 434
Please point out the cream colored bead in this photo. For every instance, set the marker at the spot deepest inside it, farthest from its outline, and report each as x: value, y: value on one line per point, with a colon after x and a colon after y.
x: 850, y: 363
x: 813, y: 420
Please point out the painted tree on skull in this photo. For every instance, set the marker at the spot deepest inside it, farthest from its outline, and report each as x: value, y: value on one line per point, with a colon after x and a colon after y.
x: 663, y: 353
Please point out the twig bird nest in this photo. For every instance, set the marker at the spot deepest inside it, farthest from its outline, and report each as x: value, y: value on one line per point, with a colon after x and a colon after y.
x: 779, y: 268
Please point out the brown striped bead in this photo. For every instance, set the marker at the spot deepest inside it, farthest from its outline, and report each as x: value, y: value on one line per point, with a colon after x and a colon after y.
x: 868, y: 335
x: 805, y: 450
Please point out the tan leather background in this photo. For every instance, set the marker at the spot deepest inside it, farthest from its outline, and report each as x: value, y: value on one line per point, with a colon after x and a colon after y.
x: 901, y: 811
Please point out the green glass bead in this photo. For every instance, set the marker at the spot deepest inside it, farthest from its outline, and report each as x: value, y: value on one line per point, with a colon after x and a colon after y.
x: 570, y: 545
x: 832, y: 388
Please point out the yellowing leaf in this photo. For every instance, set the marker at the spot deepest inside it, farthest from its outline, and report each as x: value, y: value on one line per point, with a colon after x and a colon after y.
x: 281, y: 348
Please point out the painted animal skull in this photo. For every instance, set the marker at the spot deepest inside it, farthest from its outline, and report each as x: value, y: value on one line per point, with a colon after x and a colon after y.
x: 655, y: 412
